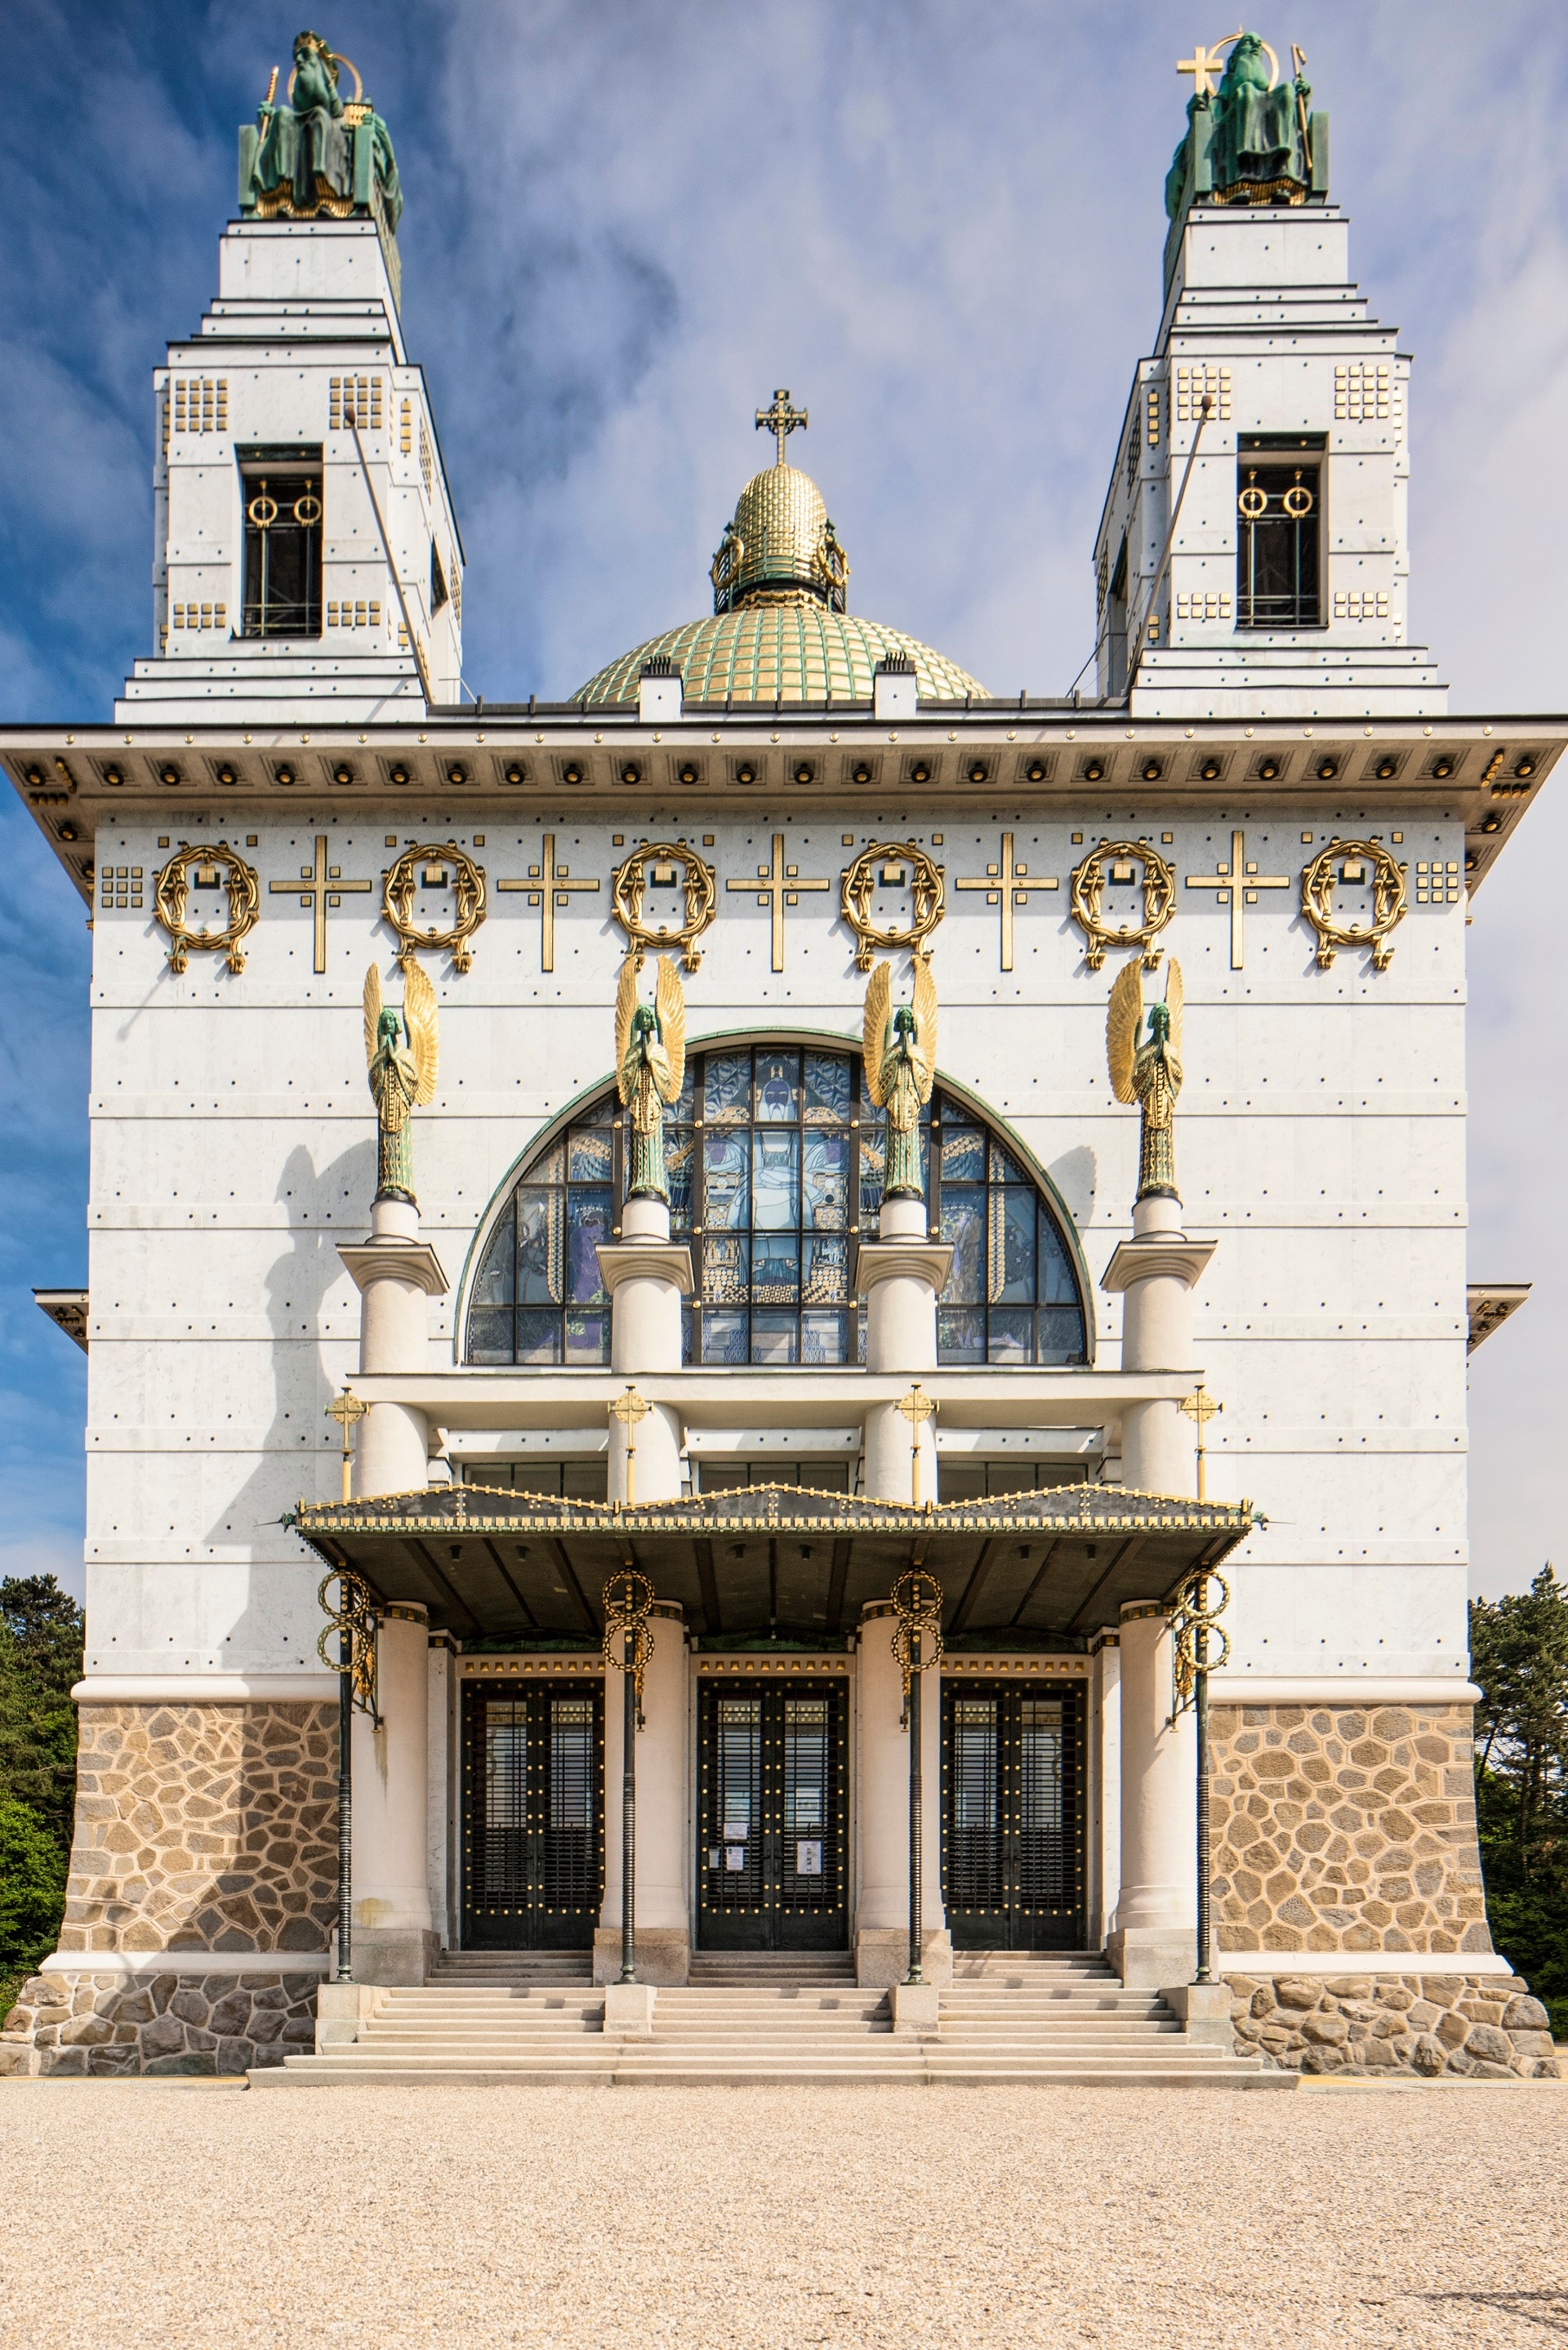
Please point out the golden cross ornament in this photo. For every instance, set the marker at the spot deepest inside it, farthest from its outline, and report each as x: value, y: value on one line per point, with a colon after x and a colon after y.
x: 1237, y: 885
x: 780, y: 420
x: 348, y: 1411
x: 1201, y: 1407
x: 1207, y: 66
x: 629, y: 1409
x: 549, y: 886
x: 1006, y: 885
x: 779, y: 885
x: 917, y: 1407
x: 318, y: 887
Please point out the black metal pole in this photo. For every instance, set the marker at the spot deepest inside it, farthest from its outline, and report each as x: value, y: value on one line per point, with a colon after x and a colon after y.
x: 916, y: 1974
x: 1200, y: 1708
x: 345, y: 1803
x: 629, y: 1813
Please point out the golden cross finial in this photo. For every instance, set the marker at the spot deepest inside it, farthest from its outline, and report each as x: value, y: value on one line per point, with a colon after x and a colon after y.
x: 780, y: 420
x: 629, y: 1409
x: 1207, y: 65
x: 1200, y: 1406
x: 917, y: 1407
x: 348, y: 1411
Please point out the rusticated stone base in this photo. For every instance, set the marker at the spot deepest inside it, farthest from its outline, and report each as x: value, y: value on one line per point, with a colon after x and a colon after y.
x: 1342, y: 1827
x: 1472, y: 2027
x: 105, y: 2024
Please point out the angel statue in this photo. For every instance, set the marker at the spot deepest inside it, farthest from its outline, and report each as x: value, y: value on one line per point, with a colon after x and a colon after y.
x: 1148, y: 1074
x: 899, y: 1056
x: 650, y: 1069
x: 399, y: 1081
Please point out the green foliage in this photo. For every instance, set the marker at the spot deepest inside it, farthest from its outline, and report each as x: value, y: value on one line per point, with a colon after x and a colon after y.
x: 40, y: 1656
x: 1519, y: 1659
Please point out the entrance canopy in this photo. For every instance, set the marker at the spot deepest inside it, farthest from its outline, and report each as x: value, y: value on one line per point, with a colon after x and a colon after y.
x: 1044, y: 1567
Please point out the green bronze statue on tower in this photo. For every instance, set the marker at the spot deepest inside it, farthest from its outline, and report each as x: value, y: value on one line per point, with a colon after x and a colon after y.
x: 319, y: 152
x: 1251, y: 137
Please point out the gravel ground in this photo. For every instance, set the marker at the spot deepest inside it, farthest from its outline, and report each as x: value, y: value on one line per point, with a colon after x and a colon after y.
x: 139, y: 2214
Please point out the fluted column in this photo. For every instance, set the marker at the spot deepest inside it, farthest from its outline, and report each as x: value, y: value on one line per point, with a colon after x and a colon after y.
x: 902, y: 1274
x: 882, y: 1750
x: 394, y: 1935
x: 396, y: 1274
x: 1151, y: 1943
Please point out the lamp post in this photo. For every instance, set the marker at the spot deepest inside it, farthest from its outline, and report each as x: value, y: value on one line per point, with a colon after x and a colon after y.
x: 916, y: 1646
x: 627, y: 1646
x: 1194, y: 1620
x: 354, y: 1621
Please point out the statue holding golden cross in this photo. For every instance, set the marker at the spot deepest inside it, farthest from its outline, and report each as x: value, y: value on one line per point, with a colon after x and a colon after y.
x: 348, y: 1411
x: 917, y: 1407
x: 1200, y: 1406
x: 630, y: 1409
x: 1207, y: 66
x: 780, y: 420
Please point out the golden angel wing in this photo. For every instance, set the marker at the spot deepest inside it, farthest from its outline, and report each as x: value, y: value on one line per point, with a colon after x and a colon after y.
x: 669, y: 1003
x: 422, y: 1022
x: 1122, y: 1026
x: 925, y: 1052
x: 1176, y: 999
x: 372, y: 1011
x: 874, y: 1029
x: 624, y: 1005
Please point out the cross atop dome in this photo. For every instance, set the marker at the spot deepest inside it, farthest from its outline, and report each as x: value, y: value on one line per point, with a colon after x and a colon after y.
x: 780, y: 420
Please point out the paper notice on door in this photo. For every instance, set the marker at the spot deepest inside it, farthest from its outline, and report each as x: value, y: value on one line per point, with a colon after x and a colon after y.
x: 735, y: 1831
x: 808, y: 1859
x: 715, y: 1855
x: 734, y: 1855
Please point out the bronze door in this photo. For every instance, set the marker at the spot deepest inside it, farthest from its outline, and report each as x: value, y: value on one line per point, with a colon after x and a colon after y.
x: 533, y: 1826
x: 772, y: 1815
x: 1013, y: 1833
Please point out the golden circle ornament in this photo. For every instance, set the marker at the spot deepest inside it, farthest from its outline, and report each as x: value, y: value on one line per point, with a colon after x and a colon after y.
x: 1112, y: 861
x: 170, y: 904
x: 468, y: 888
x: 1253, y: 503
x: 657, y: 861
x: 927, y: 891
x: 1347, y: 861
x: 353, y: 1618
x: 1297, y: 501
x: 629, y: 1599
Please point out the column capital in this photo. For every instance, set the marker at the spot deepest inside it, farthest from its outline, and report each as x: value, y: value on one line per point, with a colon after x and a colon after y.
x: 1172, y: 1256
x: 1134, y: 1611
x: 415, y: 1261
x: 875, y: 1261
x: 645, y: 1260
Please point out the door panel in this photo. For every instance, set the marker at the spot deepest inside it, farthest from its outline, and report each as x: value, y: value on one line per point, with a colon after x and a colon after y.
x: 1013, y: 1839
x: 771, y: 1816
x: 532, y: 1826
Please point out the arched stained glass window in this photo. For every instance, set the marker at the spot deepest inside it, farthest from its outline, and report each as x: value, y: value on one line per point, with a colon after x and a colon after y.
x: 775, y: 1173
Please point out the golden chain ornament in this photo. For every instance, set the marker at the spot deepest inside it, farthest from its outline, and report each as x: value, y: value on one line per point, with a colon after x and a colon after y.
x: 628, y: 1603
x: 918, y: 1606
x: 1346, y: 860
x: 170, y: 904
x: 1192, y: 1627
x: 353, y: 1619
x: 466, y: 884
x: 1112, y: 861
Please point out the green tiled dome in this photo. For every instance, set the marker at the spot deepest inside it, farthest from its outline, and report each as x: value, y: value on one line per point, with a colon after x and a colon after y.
x: 786, y: 644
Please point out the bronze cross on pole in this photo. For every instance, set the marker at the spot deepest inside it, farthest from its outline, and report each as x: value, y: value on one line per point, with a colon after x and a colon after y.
x: 1200, y: 1406
x: 548, y: 885
x: 318, y: 887
x: 629, y: 1409
x: 917, y: 1407
x: 781, y: 887
x: 1005, y: 885
x: 348, y: 1411
x: 780, y: 420
x: 1237, y: 885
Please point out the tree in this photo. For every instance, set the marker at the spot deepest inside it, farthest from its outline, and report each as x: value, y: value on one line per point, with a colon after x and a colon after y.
x: 1519, y: 1658
x: 41, y: 1631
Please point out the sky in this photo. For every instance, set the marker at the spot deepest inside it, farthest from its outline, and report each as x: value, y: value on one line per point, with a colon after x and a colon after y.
x: 941, y: 225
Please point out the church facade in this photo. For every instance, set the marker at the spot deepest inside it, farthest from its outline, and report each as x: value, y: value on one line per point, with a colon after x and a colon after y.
x: 851, y: 1163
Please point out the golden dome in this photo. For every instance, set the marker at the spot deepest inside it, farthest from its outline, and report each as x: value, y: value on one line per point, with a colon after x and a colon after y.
x: 786, y: 645
x: 781, y: 537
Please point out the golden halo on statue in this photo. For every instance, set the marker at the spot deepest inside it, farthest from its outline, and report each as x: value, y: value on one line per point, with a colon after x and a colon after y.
x: 1229, y: 41
x: 338, y: 58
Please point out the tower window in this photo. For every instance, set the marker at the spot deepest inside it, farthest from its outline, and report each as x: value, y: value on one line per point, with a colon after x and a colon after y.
x: 1279, y: 535
x: 283, y: 553
x: 438, y: 582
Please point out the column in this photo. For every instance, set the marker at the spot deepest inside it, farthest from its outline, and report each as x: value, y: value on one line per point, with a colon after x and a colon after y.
x: 646, y: 1275
x: 902, y: 1274
x: 663, y: 1838
x: 1156, y: 1273
x: 1103, y: 1886
x: 394, y: 1936
x: 395, y: 1273
x: 1152, y: 1939
x: 882, y: 1814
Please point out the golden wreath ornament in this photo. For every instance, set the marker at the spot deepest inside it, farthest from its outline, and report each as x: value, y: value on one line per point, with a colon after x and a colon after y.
x: 628, y: 1603
x: 1193, y: 1626
x: 700, y: 893
x: 927, y: 891
x: 1112, y: 861
x: 467, y: 885
x: 1336, y: 863
x: 917, y: 1608
x: 170, y: 904
x: 353, y: 1619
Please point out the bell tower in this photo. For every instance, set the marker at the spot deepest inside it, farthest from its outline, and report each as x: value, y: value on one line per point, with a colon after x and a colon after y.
x: 1252, y: 557
x: 308, y: 561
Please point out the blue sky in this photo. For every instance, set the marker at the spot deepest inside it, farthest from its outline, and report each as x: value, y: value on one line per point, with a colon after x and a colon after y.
x: 940, y: 224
